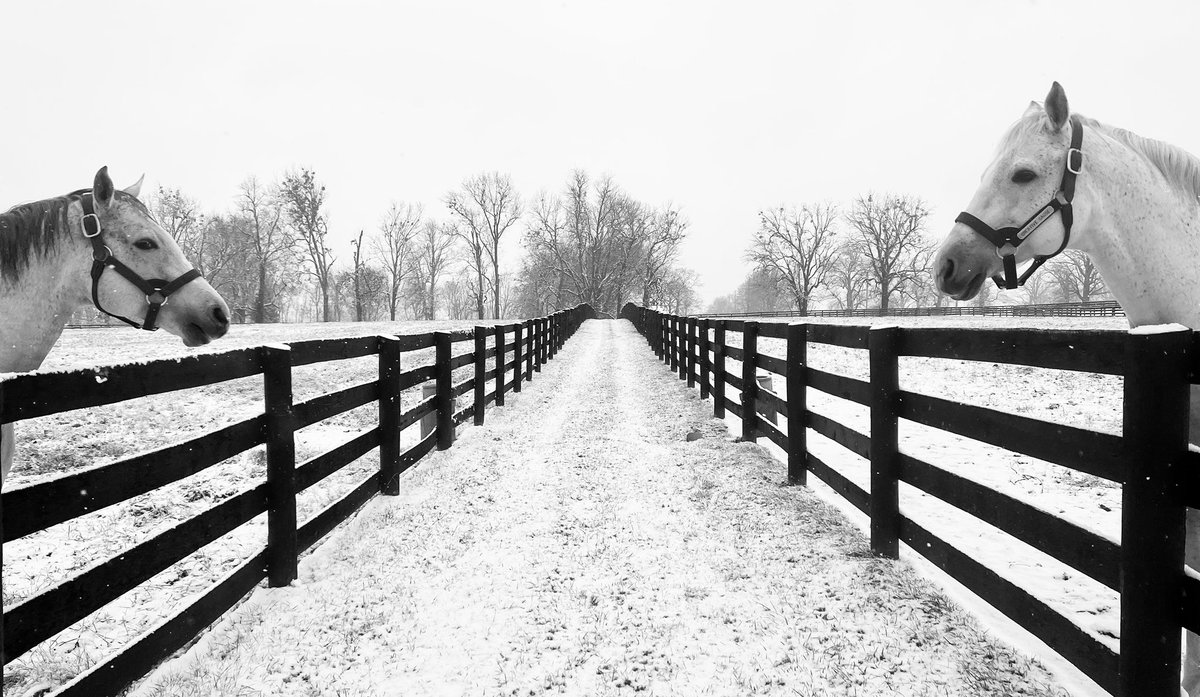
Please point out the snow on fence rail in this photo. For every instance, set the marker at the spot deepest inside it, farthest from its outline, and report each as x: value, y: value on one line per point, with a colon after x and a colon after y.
x: 33, y: 508
x: 1150, y: 461
x: 1096, y: 308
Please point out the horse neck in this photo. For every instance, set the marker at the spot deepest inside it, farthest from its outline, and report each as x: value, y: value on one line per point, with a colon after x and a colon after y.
x: 1142, y: 232
x: 39, y: 304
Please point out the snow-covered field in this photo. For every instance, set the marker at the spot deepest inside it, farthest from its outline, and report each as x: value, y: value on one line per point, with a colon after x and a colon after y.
x: 63, y: 442
x: 1083, y: 400
x: 580, y: 544
x: 436, y: 490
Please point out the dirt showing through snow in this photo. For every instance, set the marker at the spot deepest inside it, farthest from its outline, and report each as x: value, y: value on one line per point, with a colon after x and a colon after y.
x: 579, y: 544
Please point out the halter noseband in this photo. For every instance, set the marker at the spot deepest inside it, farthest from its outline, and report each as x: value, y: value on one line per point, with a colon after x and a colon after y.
x: 156, y: 289
x: 1008, y: 239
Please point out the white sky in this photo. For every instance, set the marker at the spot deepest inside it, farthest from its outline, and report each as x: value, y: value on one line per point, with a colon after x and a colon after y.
x: 720, y: 108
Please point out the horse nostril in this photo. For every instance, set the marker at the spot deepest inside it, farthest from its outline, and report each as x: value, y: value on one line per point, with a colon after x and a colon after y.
x: 947, y: 271
x: 219, y: 316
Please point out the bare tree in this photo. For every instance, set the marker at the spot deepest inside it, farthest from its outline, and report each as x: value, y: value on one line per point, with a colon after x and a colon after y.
x: 180, y: 216
x: 302, y: 199
x: 487, y: 205
x: 1077, y: 278
x: 797, y: 247
x: 888, y: 231
x: 661, y: 233
x: 393, y: 248
x: 433, y: 256
x: 267, y: 241
x: 849, y: 277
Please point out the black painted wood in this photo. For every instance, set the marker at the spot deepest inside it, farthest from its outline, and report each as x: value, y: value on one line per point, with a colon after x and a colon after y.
x: 1058, y: 632
x: 796, y: 409
x: 884, y: 447
x: 390, y: 405
x: 1082, y: 549
x: 1097, y: 454
x: 1155, y: 426
x: 282, y: 553
x: 39, y: 506
x: 1088, y: 351
x: 444, y: 397
x: 32, y: 395
x: 749, y: 381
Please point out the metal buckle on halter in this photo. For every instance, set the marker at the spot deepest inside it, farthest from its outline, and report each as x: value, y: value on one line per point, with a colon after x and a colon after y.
x: 156, y: 298
x: 1074, y: 155
x: 107, y: 253
x: 94, y: 220
x: 1006, y: 250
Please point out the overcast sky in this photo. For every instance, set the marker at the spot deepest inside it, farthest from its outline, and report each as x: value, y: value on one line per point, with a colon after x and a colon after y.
x: 719, y: 108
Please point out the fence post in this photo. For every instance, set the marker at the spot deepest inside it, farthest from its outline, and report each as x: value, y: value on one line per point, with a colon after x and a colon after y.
x: 749, y: 380
x: 705, y: 362
x: 501, y: 354
x: 681, y: 325
x: 535, y: 350
x: 530, y: 343
x: 279, y: 422
x: 480, y: 373
x: 1155, y: 430
x: 545, y: 353
x: 885, y: 383
x: 718, y: 390
x: 673, y: 329
x: 389, y: 415
x: 797, y: 408
x: 443, y: 400
x: 690, y: 359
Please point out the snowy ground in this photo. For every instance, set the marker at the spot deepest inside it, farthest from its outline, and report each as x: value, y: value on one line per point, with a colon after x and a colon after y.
x: 1083, y: 400
x: 580, y: 544
x: 55, y: 444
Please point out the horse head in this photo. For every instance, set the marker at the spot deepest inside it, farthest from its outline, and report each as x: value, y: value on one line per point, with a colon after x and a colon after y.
x: 153, y: 281
x: 1009, y: 221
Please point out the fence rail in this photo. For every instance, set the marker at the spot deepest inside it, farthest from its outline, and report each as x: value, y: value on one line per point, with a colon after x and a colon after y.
x: 1096, y: 308
x: 30, y: 509
x: 1150, y: 461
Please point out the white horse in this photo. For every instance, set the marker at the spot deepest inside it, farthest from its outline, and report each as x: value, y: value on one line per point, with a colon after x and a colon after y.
x: 99, y: 246
x: 1135, y: 212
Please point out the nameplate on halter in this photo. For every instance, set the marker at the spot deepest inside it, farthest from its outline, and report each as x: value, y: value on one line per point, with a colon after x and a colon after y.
x: 1032, y: 225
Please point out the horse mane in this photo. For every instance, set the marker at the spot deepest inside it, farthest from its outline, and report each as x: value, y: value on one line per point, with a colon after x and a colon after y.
x: 31, y: 230
x: 1179, y: 167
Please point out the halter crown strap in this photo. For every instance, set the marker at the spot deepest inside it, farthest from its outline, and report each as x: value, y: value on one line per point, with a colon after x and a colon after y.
x: 1011, y: 237
x: 156, y: 290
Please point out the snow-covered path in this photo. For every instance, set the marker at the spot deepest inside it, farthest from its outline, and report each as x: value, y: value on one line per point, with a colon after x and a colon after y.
x: 580, y: 544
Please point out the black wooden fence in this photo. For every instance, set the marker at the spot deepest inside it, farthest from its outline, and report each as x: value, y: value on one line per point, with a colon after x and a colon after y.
x: 30, y: 509
x: 1095, y: 308
x: 1160, y: 479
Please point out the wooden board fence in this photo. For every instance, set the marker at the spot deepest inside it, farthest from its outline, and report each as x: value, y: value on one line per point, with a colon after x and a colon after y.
x: 1159, y: 477
x: 30, y: 509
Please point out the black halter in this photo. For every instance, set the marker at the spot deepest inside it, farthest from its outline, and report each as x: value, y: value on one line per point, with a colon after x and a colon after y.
x: 156, y: 289
x: 1008, y: 239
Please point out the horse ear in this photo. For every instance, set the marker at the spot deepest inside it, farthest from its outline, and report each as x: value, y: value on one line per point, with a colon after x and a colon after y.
x: 1033, y: 108
x: 1056, y: 106
x: 135, y: 188
x: 102, y: 188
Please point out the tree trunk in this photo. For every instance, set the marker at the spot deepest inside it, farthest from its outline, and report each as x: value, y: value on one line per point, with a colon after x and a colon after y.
x: 260, y: 298
x: 325, y: 316
x: 496, y: 284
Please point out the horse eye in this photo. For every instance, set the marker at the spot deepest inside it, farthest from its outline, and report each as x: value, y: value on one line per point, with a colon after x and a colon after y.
x: 1024, y: 176
x: 145, y: 245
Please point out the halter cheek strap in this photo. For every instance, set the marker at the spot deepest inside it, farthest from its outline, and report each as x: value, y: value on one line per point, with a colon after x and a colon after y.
x: 1008, y: 239
x: 157, y: 290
